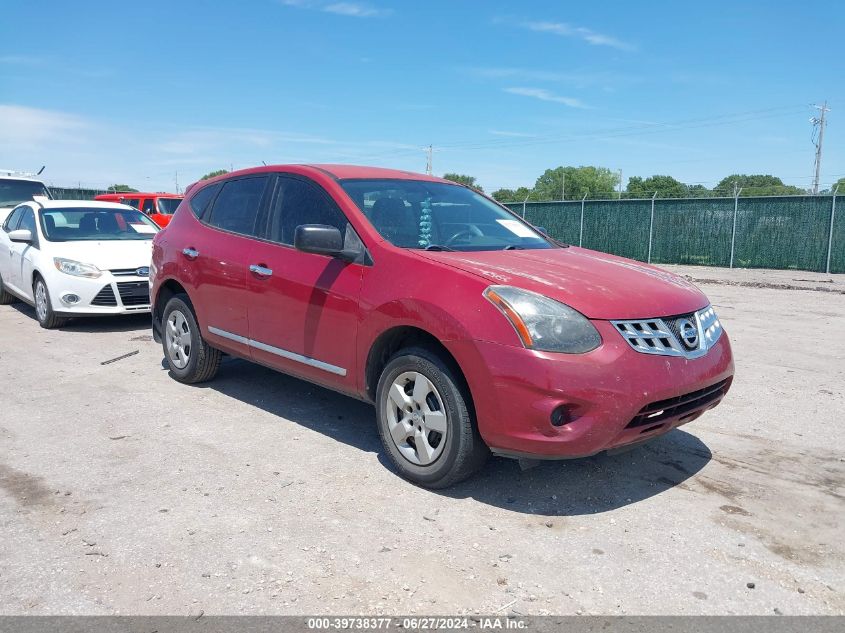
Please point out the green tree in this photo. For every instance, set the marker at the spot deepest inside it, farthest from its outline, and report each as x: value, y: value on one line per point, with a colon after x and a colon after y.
x: 699, y: 191
x: 664, y: 186
x: 839, y: 183
x: 511, y: 195
x: 755, y: 185
x: 212, y: 174
x: 121, y: 189
x: 592, y: 181
x: 463, y: 179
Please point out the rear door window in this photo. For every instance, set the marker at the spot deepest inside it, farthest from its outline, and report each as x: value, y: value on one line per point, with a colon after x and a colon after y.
x: 236, y: 207
x: 149, y: 206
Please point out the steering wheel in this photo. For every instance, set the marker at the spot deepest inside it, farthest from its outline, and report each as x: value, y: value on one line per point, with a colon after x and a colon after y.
x: 465, y: 232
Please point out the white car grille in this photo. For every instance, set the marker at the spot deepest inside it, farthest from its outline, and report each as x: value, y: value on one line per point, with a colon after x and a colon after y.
x: 688, y: 335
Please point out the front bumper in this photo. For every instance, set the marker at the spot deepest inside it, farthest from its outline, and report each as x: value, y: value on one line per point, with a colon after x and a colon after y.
x: 609, y: 398
x: 107, y: 295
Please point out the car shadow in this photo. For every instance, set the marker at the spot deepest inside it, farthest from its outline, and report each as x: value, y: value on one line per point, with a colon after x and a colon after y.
x: 589, y: 485
x: 94, y: 324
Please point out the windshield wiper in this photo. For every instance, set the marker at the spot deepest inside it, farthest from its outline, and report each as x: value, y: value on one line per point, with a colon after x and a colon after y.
x: 438, y: 247
x: 513, y: 247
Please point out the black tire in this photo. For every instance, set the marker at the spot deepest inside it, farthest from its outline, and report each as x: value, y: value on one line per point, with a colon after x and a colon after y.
x: 464, y: 451
x: 202, y: 360
x: 6, y: 298
x: 44, y: 314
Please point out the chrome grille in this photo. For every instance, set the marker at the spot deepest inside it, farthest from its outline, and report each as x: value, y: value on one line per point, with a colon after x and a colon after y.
x: 142, y: 271
x: 687, y: 335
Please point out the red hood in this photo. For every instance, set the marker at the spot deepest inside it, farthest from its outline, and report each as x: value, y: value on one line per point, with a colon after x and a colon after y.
x: 598, y: 285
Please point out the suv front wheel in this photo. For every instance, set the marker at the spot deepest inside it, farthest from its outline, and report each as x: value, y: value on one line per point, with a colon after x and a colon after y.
x: 189, y: 358
x: 425, y: 421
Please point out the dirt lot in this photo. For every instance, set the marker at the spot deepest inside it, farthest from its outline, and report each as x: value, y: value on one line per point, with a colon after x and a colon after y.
x: 122, y: 491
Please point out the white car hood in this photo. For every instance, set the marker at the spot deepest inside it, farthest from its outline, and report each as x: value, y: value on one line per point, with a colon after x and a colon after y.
x: 106, y: 254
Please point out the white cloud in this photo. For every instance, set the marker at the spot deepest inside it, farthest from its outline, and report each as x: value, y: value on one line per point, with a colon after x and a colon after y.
x: 352, y: 9
x: 511, y: 134
x: 23, y: 125
x: 98, y: 153
x: 585, y: 77
x: 21, y: 60
x: 579, y: 32
x: 545, y: 95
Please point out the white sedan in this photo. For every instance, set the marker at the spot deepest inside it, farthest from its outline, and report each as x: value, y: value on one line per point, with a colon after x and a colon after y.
x: 72, y: 258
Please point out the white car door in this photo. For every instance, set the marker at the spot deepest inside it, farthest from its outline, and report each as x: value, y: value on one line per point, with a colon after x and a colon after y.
x: 22, y: 254
x: 6, y: 252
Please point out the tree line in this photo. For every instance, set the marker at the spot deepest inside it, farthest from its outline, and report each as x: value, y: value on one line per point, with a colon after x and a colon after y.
x: 573, y: 183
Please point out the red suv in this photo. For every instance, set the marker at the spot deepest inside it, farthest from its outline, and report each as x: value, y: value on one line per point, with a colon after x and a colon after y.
x: 470, y: 330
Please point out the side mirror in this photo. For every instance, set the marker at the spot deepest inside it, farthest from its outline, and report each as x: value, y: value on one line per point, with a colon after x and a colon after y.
x: 21, y: 235
x: 542, y: 229
x: 321, y: 239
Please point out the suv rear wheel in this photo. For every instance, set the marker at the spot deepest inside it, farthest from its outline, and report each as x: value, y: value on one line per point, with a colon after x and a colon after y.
x: 425, y: 422
x: 188, y: 356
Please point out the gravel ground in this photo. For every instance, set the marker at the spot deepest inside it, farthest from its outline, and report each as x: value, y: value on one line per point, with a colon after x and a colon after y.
x: 122, y: 491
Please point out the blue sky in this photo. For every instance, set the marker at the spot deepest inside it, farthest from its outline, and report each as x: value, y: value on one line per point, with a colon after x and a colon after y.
x: 105, y: 92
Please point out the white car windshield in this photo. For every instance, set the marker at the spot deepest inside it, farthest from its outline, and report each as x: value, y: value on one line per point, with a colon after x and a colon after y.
x: 96, y: 224
x: 440, y: 216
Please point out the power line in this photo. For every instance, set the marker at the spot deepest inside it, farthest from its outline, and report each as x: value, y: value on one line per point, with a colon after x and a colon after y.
x: 650, y: 128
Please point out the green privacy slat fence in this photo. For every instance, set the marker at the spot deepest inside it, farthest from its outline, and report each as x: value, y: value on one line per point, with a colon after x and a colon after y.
x: 771, y: 232
x: 837, y: 253
x: 75, y: 193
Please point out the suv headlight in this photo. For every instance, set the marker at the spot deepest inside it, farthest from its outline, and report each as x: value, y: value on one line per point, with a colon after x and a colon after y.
x: 544, y: 324
x: 77, y: 269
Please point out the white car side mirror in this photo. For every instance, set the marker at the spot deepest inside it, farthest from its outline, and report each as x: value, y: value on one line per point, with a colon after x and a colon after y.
x: 21, y: 235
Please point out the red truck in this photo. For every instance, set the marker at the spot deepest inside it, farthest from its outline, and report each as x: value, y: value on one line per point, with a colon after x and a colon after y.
x: 159, y: 206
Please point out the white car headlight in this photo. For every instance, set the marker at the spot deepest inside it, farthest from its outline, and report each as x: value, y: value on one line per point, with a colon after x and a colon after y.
x: 542, y: 323
x: 77, y: 269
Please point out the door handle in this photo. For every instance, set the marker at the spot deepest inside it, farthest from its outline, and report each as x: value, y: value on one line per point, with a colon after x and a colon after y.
x: 261, y: 271
x: 190, y: 253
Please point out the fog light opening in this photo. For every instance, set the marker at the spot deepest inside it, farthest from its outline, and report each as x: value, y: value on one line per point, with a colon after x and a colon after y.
x: 70, y: 298
x: 562, y: 415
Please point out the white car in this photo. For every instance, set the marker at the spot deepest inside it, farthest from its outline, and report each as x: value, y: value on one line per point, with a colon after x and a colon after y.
x: 71, y: 258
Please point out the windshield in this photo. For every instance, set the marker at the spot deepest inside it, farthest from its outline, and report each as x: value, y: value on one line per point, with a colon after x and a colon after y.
x: 13, y: 192
x: 167, y: 206
x: 434, y: 215
x: 82, y: 224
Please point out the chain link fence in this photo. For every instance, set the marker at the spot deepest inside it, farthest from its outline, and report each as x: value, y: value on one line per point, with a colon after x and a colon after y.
x: 784, y: 232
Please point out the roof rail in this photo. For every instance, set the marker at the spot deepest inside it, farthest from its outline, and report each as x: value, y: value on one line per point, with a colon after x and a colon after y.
x: 13, y: 173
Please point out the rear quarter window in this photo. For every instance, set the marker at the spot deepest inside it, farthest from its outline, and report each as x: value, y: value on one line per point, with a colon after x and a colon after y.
x: 200, y: 201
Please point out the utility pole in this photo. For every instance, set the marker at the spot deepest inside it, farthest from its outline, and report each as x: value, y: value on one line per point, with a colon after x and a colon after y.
x: 620, y: 184
x: 428, y: 161
x: 819, y: 122
x: 176, y: 179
